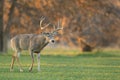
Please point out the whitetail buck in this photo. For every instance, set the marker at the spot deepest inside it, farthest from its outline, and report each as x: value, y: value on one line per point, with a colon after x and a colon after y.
x: 32, y: 42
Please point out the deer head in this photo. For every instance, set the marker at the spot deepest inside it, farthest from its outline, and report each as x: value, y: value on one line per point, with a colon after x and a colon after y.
x: 50, y: 35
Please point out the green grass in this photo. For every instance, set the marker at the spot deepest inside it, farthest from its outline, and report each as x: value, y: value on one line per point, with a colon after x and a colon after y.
x: 73, y: 66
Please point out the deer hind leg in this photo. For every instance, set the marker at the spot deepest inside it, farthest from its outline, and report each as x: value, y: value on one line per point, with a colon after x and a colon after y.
x: 30, y: 69
x: 12, y: 64
x: 16, y: 57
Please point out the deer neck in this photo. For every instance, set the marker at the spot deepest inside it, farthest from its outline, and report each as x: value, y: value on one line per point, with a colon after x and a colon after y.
x: 47, y: 40
x: 45, y: 44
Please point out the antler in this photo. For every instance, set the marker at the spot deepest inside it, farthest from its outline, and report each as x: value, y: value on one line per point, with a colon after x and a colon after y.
x: 42, y: 19
x: 58, y: 27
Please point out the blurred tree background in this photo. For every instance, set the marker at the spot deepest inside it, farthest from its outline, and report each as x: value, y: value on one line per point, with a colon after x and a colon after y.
x: 87, y: 23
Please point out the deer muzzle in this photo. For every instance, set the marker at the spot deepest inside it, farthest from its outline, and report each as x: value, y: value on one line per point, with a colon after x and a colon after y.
x: 52, y: 41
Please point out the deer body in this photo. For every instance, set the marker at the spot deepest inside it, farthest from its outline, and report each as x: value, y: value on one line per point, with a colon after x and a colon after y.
x: 34, y: 43
x: 31, y: 42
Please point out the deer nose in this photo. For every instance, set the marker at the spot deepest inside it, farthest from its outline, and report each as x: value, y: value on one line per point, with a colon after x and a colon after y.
x: 52, y: 41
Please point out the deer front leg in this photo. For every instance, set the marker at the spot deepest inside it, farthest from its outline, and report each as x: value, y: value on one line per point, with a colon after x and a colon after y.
x: 30, y: 69
x: 38, y: 59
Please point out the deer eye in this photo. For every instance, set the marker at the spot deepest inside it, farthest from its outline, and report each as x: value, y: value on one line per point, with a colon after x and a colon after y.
x: 55, y: 33
x: 48, y: 35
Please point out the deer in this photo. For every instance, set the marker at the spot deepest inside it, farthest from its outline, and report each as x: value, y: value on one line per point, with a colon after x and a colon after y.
x: 34, y: 43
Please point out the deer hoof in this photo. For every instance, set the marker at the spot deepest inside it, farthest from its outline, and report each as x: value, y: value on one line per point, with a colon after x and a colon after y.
x: 39, y: 70
x: 30, y: 69
x: 21, y: 70
x: 11, y: 70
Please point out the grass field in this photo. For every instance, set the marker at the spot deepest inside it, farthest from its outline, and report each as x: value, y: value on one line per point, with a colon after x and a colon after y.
x: 73, y: 66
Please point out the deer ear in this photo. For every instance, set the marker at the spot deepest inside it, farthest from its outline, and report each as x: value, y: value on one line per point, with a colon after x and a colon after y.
x: 55, y: 33
x: 46, y: 34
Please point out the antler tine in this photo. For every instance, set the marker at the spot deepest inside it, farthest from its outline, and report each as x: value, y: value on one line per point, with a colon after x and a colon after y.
x: 54, y: 27
x: 46, y: 25
x: 59, y: 24
x: 58, y: 27
x: 43, y: 18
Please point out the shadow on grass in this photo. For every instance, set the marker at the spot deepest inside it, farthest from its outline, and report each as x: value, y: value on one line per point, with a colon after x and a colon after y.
x: 100, y: 54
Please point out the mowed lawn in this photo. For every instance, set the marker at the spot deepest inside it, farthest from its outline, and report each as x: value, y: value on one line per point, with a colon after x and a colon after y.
x: 87, y: 66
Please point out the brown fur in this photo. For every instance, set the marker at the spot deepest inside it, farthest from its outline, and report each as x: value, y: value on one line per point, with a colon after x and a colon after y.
x: 32, y: 42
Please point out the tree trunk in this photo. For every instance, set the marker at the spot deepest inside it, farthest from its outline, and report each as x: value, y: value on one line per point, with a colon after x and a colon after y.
x: 5, y: 42
x: 7, y: 29
x: 1, y: 25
